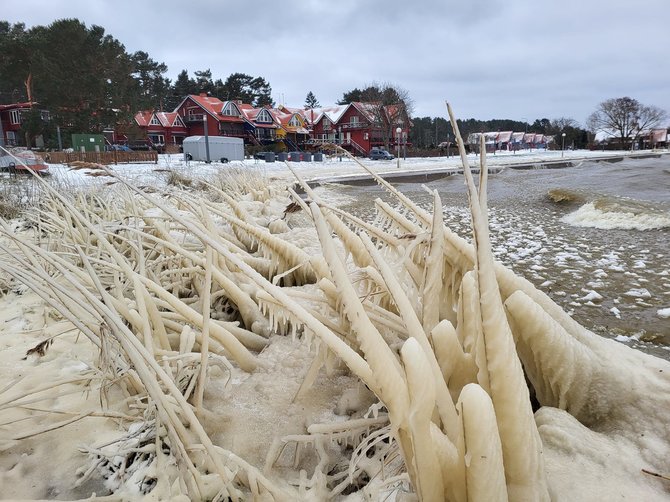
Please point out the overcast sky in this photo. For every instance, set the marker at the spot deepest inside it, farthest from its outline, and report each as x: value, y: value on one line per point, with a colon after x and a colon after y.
x: 517, y: 59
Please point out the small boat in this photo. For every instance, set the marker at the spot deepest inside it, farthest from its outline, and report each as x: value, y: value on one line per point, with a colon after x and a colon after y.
x: 22, y: 161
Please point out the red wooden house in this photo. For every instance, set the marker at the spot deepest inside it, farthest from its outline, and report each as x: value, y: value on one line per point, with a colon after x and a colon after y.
x: 11, y: 118
x: 261, y: 124
x: 359, y: 127
x: 162, y: 128
x: 223, y: 118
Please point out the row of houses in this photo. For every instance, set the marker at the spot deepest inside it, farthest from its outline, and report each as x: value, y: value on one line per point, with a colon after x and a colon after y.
x: 511, y: 141
x: 508, y: 140
x: 356, y: 126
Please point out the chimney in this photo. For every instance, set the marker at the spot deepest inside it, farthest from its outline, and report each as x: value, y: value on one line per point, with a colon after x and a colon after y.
x: 203, y: 94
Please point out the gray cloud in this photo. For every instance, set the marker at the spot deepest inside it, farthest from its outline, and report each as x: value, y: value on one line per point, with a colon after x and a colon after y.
x: 490, y: 58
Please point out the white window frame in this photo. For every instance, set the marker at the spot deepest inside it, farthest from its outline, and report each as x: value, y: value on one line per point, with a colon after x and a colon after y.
x: 264, y: 117
x: 295, y: 121
x: 230, y: 110
x: 15, y: 116
x: 154, y: 121
x: 326, y: 124
x: 160, y: 137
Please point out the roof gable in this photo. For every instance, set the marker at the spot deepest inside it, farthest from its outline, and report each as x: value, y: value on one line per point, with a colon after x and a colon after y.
x: 211, y: 105
x: 142, y: 118
x: 264, y: 116
x: 177, y: 122
x: 230, y: 109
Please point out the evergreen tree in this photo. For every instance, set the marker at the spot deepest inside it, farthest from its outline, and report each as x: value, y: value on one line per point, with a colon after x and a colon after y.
x: 262, y: 93
x: 243, y: 87
x: 349, y: 97
x: 311, y: 101
x: 15, y: 62
x: 83, y: 76
x: 182, y: 87
x: 203, y: 81
x: 153, y: 88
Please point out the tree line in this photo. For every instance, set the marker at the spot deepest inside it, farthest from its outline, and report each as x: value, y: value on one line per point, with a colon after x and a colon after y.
x: 431, y: 132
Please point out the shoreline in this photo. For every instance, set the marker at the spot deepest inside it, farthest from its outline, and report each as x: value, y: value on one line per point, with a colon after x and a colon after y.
x: 427, y: 175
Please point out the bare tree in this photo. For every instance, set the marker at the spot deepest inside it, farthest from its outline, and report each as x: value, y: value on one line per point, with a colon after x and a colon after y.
x: 389, y: 105
x: 625, y: 118
x: 563, y: 123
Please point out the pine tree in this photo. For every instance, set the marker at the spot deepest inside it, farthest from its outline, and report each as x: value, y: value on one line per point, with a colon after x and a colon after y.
x: 153, y: 87
x: 311, y: 101
x: 182, y: 87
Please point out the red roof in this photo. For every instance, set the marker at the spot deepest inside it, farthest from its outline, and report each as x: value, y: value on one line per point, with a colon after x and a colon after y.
x: 166, y: 119
x: 143, y: 118
x: 209, y: 103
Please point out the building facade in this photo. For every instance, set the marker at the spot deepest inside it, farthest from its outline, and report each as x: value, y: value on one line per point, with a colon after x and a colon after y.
x: 357, y: 127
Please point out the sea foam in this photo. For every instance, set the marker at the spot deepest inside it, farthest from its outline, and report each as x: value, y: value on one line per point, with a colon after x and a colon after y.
x: 589, y: 215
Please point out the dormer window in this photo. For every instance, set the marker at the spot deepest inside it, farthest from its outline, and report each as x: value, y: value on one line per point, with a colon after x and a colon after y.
x: 326, y: 124
x: 154, y: 121
x: 294, y: 122
x: 230, y: 110
x: 264, y: 117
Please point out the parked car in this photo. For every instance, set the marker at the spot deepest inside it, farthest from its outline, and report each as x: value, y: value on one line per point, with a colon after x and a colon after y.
x: 380, y: 154
x: 139, y: 145
x: 119, y: 148
x: 262, y: 155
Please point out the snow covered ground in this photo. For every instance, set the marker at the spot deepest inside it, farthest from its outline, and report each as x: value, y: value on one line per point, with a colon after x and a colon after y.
x: 336, y: 166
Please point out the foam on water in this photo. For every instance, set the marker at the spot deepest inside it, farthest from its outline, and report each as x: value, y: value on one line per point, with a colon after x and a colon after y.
x: 590, y: 215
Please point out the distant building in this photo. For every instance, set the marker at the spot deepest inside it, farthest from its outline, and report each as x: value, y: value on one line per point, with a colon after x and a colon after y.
x: 11, y: 120
x: 507, y: 140
x: 162, y: 128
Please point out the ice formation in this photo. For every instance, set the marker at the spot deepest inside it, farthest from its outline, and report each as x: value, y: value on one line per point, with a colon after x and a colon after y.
x: 473, y: 384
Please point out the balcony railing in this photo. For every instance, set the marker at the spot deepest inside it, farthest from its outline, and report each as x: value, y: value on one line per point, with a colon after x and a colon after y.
x: 194, y: 118
x: 354, y: 125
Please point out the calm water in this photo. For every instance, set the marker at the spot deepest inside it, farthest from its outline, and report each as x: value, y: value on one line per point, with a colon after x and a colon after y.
x: 596, y: 238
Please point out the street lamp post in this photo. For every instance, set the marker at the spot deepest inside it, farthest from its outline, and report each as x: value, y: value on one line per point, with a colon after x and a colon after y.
x: 398, y: 132
x: 205, y: 127
x: 562, y: 144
